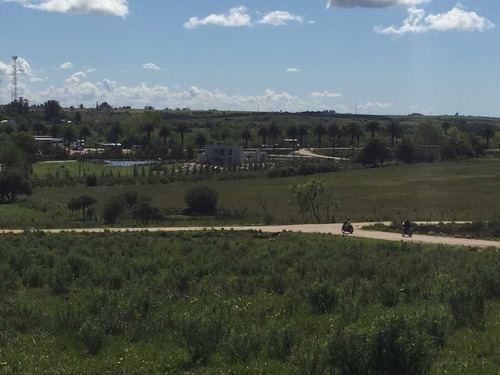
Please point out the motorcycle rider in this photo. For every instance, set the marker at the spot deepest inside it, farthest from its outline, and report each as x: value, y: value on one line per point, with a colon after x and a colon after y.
x: 347, y: 226
x: 406, y: 226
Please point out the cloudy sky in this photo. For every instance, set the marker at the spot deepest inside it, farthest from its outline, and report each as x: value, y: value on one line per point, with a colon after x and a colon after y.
x: 364, y: 56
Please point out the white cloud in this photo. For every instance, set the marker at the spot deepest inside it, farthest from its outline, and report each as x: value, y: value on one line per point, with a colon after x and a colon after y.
x: 236, y: 17
x: 66, y: 65
x: 75, y: 78
x: 280, y: 18
x: 240, y: 17
x: 151, y: 66
x: 372, y: 3
x: 455, y: 19
x: 37, y: 79
x: 373, y: 105
x: 104, y: 7
x: 293, y: 70
x: 325, y: 94
x: 77, y: 90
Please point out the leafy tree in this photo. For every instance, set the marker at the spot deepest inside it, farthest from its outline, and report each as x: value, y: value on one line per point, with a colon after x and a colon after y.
x: 394, y: 130
x: 131, y: 197
x: 488, y: 133
x: 373, y: 152
x: 319, y: 131
x: 246, y: 135
x: 311, y: 197
x: 84, y: 133
x: 52, y: 110
x: 12, y: 184
x: 201, y: 199
x: 114, y: 208
x: 82, y: 202
x: 428, y: 133
x: 302, y: 133
x: 54, y: 130
x: 406, y: 152
x: 39, y: 128
x: 115, y: 131
x: 145, y: 212
x: 164, y: 132
x: 446, y: 126
x: 373, y: 127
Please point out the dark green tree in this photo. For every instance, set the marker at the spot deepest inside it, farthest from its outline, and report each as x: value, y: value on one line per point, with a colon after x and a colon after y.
x: 292, y: 132
x: 394, y: 130
x: 319, y: 131
x: 332, y: 132
x: 373, y: 127
x: 488, y: 133
x: 246, y: 135
x: 82, y: 202
x: 201, y: 199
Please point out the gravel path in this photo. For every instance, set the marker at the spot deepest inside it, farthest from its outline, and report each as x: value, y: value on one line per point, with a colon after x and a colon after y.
x: 304, y: 228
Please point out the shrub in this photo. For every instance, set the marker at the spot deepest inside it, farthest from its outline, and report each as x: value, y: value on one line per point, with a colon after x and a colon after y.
x: 92, y: 335
x: 202, y: 332
x: 113, y: 208
x: 201, y: 199
x: 280, y: 341
x: 241, y: 344
x: 322, y: 298
x: 91, y: 180
x: 467, y: 307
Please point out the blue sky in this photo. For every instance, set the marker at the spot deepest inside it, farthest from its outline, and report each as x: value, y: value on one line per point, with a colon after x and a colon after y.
x: 365, y: 56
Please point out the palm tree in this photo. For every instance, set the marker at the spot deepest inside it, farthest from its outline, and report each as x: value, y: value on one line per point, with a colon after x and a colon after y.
x: 446, y: 126
x: 116, y: 130
x: 352, y: 130
x: 372, y: 127
x: 181, y: 128
x: 200, y: 140
x: 246, y: 135
x: 148, y: 128
x: 292, y: 132
x: 302, y: 132
x: 395, y: 130
x: 274, y: 133
x: 488, y: 133
x: 263, y: 133
x: 164, y: 133
x: 333, y: 131
x: 84, y: 133
x: 320, y: 131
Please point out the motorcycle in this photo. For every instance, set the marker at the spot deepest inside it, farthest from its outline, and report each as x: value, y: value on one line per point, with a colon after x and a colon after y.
x: 347, y: 229
x: 406, y: 231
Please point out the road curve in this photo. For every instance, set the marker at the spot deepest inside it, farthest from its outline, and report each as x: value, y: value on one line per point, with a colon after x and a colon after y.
x: 304, y: 228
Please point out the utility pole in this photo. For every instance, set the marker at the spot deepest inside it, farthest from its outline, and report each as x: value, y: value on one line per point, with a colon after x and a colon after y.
x: 14, y: 78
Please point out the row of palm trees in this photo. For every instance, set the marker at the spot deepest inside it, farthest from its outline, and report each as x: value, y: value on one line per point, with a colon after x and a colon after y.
x: 333, y: 132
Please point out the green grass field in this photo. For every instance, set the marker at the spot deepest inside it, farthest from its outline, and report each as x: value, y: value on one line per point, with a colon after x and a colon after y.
x: 244, y: 303
x: 466, y: 190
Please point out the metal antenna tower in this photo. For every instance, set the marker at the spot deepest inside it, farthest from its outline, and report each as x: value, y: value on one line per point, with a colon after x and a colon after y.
x: 14, y: 78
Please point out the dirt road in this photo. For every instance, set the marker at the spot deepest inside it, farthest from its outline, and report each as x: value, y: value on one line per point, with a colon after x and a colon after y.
x: 304, y: 228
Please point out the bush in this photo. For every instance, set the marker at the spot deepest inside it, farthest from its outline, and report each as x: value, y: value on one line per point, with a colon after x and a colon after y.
x: 202, y: 332
x: 91, y: 180
x: 113, y: 208
x: 467, y: 308
x: 201, y: 199
x: 92, y: 335
x: 322, y: 298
